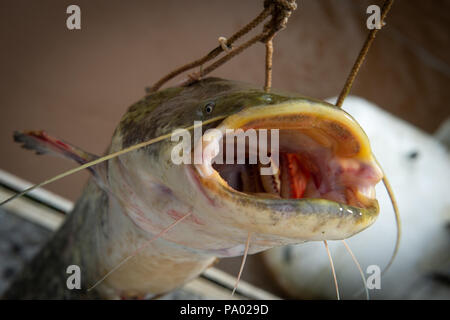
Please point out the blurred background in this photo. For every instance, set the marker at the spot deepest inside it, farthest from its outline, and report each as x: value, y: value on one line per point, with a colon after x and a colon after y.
x: 76, y: 84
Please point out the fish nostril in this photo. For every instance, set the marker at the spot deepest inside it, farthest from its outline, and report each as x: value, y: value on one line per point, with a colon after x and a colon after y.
x: 413, y: 155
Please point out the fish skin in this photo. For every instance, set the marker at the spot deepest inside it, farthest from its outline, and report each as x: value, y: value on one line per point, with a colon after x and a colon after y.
x: 139, y: 193
x: 45, y: 276
x: 164, y: 111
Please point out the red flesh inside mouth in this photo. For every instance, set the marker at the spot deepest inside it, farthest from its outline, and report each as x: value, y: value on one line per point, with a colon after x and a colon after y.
x: 296, y: 175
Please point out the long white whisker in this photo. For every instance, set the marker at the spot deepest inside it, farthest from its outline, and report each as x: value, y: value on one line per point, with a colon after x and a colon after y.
x: 105, y: 158
x: 332, y: 269
x: 139, y: 250
x: 397, y: 222
x: 247, y: 245
x: 359, y: 268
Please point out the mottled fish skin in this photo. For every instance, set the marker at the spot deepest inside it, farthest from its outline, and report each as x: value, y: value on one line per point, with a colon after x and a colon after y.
x: 140, y: 193
x: 178, y: 107
x: 45, y: 276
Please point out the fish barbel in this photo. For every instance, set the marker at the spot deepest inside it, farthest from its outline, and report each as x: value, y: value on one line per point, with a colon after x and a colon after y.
x: 323, y: 190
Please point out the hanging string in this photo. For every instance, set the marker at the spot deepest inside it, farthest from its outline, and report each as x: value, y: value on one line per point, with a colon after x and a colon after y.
x: 362, y: 55
x: 280, y: 10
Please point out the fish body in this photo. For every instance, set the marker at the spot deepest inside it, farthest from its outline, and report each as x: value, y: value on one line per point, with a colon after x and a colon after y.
x: 132, y: 198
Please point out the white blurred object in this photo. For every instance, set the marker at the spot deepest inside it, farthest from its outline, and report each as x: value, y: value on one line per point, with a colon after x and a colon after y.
x: 443, y: 133
x: 418, y: 167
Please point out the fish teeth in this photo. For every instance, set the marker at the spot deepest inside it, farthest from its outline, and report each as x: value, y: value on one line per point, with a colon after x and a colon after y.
x: 368, y: 192
x: 271, y: 183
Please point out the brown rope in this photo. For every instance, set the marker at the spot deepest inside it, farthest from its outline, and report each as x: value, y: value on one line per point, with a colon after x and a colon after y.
x: 232, y: 53
x: 215, y: 52
x: 280, y: 11
x: 269, y: 56
x: 280, y: 16
x: 362, y: 55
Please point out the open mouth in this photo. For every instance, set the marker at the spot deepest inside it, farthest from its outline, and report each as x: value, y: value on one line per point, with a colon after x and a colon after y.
x: 320, y: 153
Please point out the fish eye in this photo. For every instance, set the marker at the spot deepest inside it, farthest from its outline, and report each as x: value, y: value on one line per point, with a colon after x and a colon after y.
x: 209, y: 107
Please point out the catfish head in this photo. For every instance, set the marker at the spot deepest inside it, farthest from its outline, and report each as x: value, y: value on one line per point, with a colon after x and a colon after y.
x: 316, y: 181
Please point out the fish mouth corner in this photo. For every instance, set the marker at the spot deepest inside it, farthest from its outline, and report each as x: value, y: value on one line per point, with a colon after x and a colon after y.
x: 323, y: 159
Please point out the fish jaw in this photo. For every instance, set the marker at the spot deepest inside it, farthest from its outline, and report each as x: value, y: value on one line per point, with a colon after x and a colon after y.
x: 347, y: 164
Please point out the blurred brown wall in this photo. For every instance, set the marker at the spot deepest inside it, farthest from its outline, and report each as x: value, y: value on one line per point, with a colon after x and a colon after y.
x: 77, y: 84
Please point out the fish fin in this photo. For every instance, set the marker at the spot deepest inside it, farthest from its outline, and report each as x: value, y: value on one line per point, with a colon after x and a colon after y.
x: 42, y: 143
